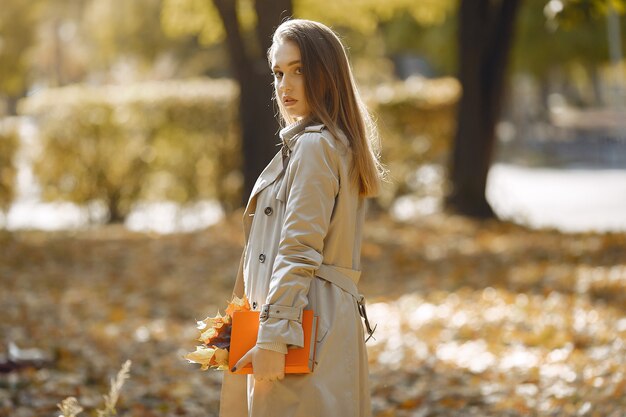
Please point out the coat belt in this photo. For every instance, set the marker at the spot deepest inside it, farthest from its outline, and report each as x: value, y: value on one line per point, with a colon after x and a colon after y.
x: 346, y: 279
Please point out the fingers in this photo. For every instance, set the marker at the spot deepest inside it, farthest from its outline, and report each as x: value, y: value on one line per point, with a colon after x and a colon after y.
x: 268, y: 366
x: 245, y: 359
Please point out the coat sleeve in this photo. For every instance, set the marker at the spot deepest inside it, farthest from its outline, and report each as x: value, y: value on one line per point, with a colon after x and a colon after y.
x: 313, y: 184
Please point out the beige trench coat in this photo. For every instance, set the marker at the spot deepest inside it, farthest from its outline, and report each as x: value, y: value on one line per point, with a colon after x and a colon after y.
x: 302, y: 222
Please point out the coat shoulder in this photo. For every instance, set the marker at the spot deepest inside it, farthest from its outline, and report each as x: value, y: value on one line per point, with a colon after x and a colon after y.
x: 324, y: 138
x: 314, y: 142
x: 317, y: 151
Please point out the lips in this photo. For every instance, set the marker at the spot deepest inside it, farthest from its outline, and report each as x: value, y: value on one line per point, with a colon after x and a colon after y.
x: 289, y: 101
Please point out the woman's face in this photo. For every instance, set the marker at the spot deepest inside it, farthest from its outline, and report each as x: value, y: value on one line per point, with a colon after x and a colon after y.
x: 289, y: 79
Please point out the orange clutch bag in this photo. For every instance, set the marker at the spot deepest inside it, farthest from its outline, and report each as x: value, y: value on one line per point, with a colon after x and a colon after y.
x: 245, y: 328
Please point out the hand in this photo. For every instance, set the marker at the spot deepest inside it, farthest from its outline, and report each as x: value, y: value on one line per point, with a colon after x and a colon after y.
x: 268, y: 365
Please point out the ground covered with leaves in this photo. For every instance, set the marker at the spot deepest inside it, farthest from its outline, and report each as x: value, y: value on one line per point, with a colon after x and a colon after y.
x: 474, y: 318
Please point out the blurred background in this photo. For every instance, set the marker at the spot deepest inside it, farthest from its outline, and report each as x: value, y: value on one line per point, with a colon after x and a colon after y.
x: 154, y: 114
x: 132, y: 131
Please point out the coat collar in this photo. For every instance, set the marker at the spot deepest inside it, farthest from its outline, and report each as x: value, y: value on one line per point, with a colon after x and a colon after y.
x: 289, y: 134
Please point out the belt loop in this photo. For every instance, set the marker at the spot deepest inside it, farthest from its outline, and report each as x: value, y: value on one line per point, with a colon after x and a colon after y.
x: 363, y: 313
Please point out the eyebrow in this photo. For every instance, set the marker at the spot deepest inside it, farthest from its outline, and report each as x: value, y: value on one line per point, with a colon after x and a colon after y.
x: 297, y: 61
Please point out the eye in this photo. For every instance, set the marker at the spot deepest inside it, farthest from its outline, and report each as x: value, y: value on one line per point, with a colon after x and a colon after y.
x: 298, y: 71
x: 278, y: 75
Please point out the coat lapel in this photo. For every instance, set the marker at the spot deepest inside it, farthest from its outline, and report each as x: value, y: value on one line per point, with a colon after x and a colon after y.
x: 271, y: 172
x: 268, y: 176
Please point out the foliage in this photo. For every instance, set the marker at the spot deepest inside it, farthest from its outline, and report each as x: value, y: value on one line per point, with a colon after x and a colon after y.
x: 118, y: 144
x: 366, y: 15
x: 119, y: 28
x: 488, y: 318
x: 9, y: 142
x: 17, y: 33
x: 436, y: 43
x: 199, y: 17
x: 126, y: 37
x: 58, y: 42
x: 215, y: 335
x: 572, y: 13
x: 563, y: 41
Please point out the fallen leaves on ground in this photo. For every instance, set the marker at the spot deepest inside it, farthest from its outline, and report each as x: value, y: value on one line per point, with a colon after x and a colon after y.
x: 474, y: 318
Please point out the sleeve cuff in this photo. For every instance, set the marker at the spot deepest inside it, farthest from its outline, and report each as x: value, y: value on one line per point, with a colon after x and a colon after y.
x: 280, y: 312
x: 276, y: 347
x: 287, y: 332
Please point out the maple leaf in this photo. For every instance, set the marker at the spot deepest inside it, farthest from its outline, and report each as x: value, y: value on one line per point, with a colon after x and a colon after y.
x: 238, y: 304
x: 221, y: 359
x: 208, y: 335
x: 216, y: 321
x: 202, y: 355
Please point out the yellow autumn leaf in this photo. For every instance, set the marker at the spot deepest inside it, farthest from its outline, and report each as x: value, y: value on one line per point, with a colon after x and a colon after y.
x: 238, y: 304
x: 217, y: 321
x: 208, y: 335
x: 221, y: 359
x: 202, y: 355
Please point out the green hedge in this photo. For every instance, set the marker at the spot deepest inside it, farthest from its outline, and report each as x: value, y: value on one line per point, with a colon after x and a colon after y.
x: 175, y: 140
x: 417, y: 120
x: 179, y: 140
x: 9, y: 142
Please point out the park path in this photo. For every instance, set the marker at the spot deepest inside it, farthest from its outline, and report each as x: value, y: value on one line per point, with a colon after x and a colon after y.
x: 574, y: 199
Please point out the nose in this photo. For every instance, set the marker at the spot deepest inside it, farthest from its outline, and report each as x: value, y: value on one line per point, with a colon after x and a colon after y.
x: 284, y: 84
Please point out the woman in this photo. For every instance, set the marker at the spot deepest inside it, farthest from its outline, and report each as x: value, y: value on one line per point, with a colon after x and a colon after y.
x: 303, y: 226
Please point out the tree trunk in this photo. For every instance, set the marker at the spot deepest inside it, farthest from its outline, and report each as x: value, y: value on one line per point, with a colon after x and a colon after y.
x: 485, y: 36
x: 11, y: 103
x: 250, y: 69
x: 116, y: 215
x: 597, y: 98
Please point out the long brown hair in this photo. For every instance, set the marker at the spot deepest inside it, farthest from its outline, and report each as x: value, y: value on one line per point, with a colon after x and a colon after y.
x: 333, y: 97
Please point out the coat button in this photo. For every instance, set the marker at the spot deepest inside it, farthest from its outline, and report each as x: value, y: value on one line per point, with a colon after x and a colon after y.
x: 262, y: 258
x: 254, y: 304
x: 268, y: 211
